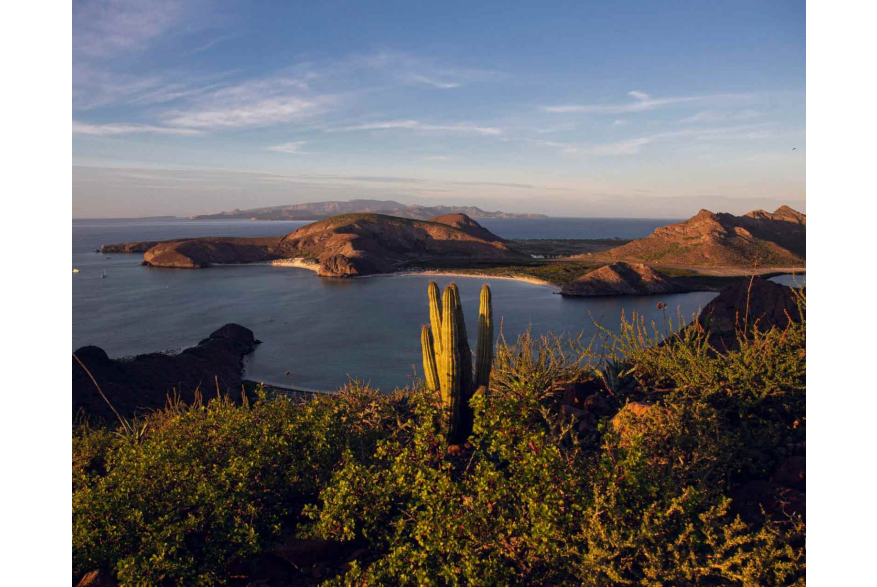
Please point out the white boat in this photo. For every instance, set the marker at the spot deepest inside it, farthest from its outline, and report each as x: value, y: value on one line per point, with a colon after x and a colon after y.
x: 75, y: 270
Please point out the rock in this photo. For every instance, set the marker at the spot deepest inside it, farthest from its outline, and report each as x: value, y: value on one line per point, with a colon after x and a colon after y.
x: 597, y: 405
x: 144, y: 382
x: 636, y: 408
x: 768, y: 305
x: 621, y: 279
x: 575, y: 393
x: 792, y: 473
x: 97, y: 579
x: 583, y: 419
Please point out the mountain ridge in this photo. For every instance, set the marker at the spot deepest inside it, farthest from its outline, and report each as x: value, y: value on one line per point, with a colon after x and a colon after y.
x: 327, y: 209
x: 710, y: 239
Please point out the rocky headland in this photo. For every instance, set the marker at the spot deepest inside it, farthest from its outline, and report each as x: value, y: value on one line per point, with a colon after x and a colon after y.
x: 146, y: 381
x: 708, y: 239
x: 343, y: 246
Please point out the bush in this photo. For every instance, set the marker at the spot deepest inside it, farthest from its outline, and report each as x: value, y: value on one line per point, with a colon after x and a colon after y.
x: 207, y: 484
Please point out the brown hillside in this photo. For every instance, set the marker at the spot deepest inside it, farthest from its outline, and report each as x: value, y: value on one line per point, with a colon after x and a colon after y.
x: 718, y: 240
x: 621, y: 279
x: 346, y: 245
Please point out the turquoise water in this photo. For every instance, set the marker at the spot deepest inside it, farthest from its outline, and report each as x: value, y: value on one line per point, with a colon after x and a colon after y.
x: 319, y: 330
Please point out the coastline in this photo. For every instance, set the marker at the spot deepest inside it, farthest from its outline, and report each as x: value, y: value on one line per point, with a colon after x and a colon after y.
x: 452, y: 273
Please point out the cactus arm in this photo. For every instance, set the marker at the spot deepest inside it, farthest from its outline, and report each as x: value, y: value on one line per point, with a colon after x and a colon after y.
x: 435, y: 316
x: 430, y: 368
x: 484, y: 346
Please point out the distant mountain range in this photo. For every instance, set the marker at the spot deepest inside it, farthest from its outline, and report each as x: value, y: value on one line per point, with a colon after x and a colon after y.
x: 720, y: 240
x: 320, y: 210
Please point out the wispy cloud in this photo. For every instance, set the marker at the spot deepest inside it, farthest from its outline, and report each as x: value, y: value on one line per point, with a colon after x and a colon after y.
x: 421, y: 126
x: 437, y: 158
x: 121, y: 128
x: 251, y: 104
x: 415, y: 71
x: 634, y: 145
x: 293, y: 147
x: 713, y: 116
x: 641, y: 102
x: 104, y: 28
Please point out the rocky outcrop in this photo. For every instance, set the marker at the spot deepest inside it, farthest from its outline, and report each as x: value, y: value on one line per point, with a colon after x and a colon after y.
x: 344, y: 246
x: 204, y: 252
x: 758, y: 304
x: 144, y: 382
x: 724, y: 240
x: 621, y: 279
x: 133, y: 247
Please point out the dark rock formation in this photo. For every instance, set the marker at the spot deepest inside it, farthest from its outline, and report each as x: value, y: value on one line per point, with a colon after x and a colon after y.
x: 144, y: 382
x: 757, y: 304
x: 621, y: 279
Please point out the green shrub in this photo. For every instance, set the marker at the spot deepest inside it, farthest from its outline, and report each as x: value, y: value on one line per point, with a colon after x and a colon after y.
x: 207, y: 484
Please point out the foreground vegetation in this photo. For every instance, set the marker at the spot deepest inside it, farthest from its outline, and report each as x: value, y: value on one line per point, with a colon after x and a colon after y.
x: 635, y: 488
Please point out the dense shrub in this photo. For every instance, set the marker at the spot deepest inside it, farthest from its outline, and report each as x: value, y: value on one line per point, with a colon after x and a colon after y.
x: 205, y: 484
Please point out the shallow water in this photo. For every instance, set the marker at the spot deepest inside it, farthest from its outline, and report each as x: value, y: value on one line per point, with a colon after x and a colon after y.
x: 319, y: 330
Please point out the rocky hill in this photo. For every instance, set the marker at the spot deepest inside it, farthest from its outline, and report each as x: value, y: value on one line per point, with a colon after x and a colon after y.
x: 146, y: 381
x: 720, y: 240
x: 319, y: 210
x: 343, y: 246
x: 620, y: 279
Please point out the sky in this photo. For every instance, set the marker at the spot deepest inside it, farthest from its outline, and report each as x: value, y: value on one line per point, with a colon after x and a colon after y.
x: 588, y: 109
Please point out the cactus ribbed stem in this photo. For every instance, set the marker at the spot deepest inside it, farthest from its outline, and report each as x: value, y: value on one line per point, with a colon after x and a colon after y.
x: 435, y: 315
x: 484, y: 348
x: 449, y: 368
x: 447, y: 358
x: 430, y: 368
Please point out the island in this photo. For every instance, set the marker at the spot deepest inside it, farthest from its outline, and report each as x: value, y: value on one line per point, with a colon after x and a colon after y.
x: 320, y: 210
x: 704, y: 253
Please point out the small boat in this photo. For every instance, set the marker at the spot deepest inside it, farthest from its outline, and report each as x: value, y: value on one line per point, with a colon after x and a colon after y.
x: 75, y: 270
x: 104, y: 274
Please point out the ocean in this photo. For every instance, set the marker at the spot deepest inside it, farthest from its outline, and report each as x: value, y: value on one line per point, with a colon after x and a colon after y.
x: 320, y: 331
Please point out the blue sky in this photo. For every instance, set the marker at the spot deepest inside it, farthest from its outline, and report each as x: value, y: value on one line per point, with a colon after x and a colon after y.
x: 573, y: 109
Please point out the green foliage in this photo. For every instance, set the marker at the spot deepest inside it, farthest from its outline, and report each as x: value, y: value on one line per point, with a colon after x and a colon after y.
x: 210, y: 483
x: 534, y: 504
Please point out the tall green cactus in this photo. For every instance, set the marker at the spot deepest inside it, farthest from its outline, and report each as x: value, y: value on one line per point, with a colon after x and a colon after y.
x: 447, y: 358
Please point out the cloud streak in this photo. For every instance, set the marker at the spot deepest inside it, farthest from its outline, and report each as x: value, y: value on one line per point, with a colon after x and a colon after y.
x: 416, y: 125
x: 293, y: 148
x: 122, y: 128
x: 641, y: 103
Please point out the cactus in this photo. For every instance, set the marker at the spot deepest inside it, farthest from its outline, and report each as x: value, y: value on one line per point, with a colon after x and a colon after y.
x: 447, y: 358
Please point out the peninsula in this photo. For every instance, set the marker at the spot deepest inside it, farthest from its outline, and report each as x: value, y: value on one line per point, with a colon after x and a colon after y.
x: 706, y: 252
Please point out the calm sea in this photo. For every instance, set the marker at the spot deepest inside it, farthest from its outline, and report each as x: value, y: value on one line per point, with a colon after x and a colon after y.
x: 319, y: 330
